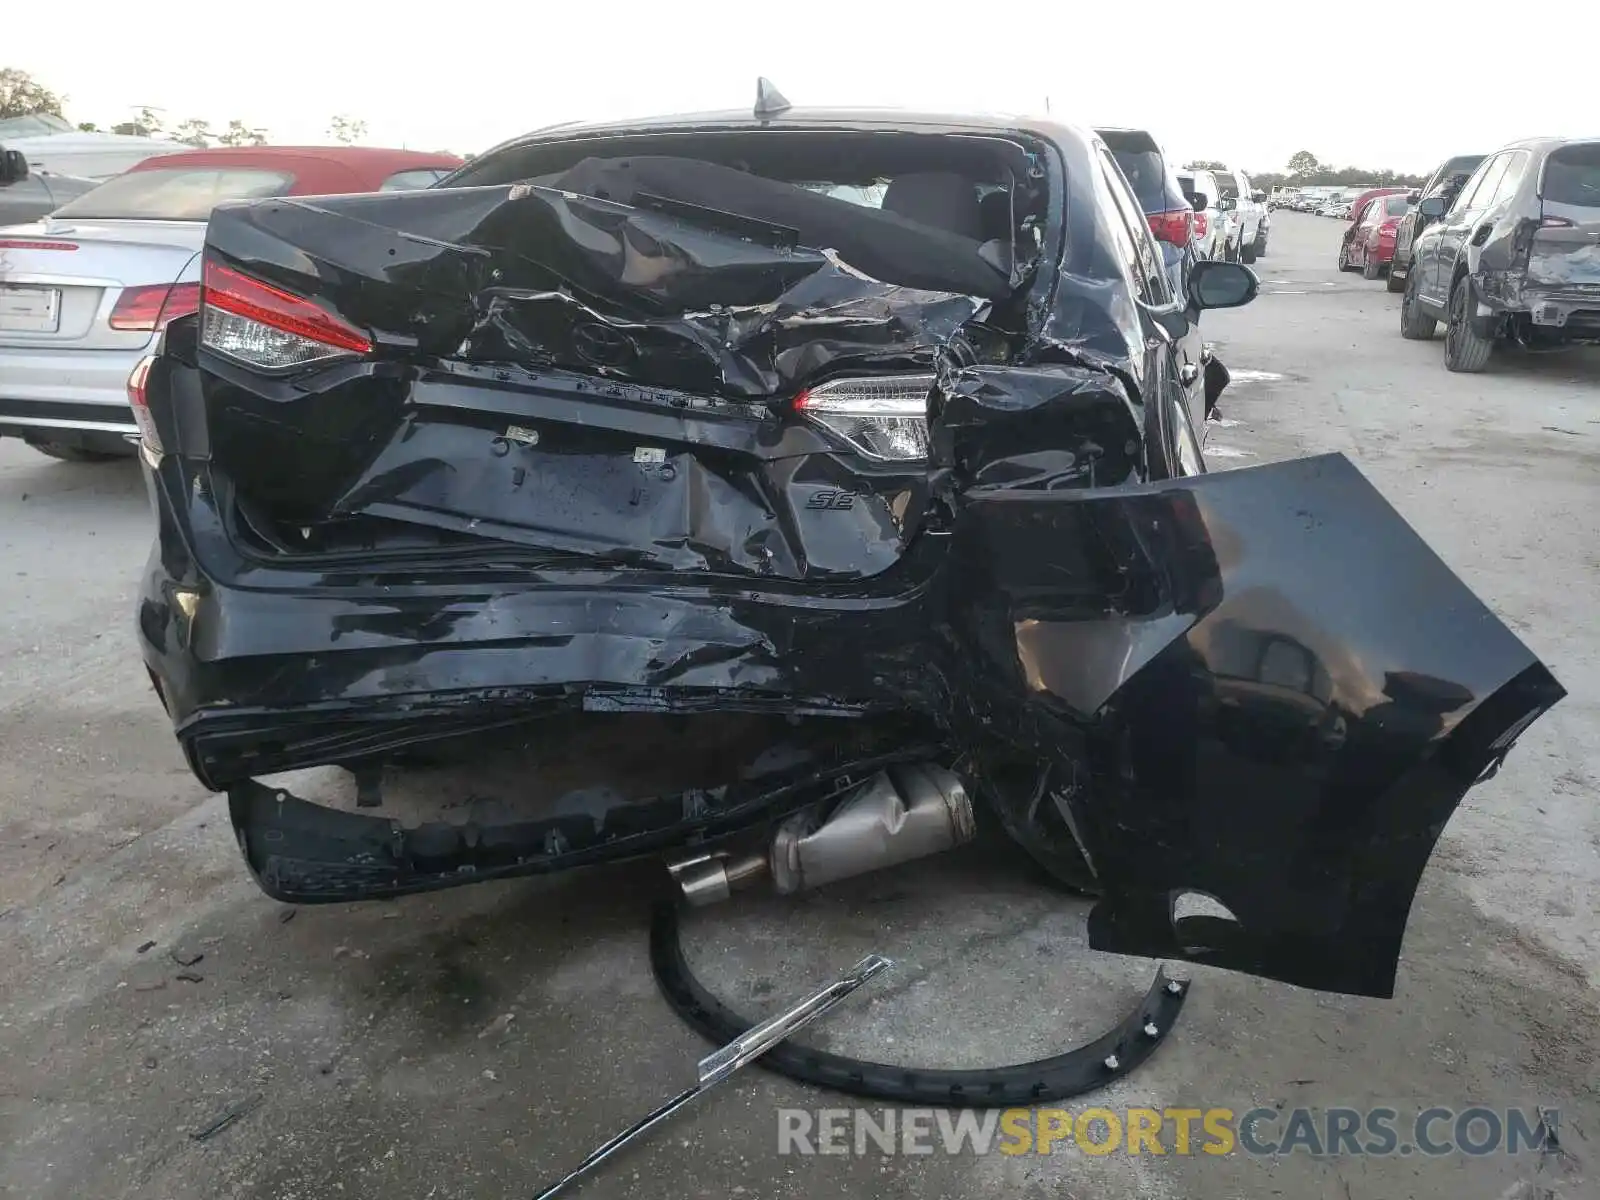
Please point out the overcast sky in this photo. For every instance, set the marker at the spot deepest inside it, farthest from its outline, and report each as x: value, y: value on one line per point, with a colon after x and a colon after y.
x: 1341, y: 80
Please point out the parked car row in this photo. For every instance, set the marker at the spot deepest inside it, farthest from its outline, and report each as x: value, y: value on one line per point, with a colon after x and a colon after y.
x: 1501, y: 248
x: 1236, y: 221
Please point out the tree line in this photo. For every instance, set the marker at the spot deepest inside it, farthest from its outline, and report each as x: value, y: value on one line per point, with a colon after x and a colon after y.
x: 22, y: 96
x: 1304, y: 169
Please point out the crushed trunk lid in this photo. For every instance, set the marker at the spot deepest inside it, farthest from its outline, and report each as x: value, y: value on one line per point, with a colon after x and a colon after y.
x: 576, y: 376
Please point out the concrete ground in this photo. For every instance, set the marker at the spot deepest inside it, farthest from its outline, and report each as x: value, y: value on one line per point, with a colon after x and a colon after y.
x: 474, y: 1044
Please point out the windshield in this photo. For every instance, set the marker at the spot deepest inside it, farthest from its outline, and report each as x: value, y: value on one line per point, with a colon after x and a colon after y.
x: 34, y: 125
x: 174, y: 193
x: 1572, y: 176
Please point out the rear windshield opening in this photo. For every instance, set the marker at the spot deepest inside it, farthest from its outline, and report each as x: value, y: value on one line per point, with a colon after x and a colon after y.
x: 1396, y: 206
x: 1147, y: 173
x: 174, y: 193
x: 1572, y: 176
x: 948, y: 212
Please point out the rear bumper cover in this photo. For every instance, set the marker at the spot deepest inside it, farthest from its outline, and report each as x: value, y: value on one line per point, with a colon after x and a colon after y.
x: 85, y: 390
x: 1506, y: 295
x: 1263, y: 684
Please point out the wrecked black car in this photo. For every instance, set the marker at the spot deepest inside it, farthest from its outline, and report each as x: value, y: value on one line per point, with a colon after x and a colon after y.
x: 816, y: 475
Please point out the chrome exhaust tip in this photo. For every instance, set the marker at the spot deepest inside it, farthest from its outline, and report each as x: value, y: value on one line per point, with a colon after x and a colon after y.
x: 900, y: 814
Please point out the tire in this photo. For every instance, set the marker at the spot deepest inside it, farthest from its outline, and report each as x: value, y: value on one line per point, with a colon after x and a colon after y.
x: 1230, y: 252
x: 1247, y: 254
x: 1344, y: 259
x: 1415, y: 325
x: 1394, y: 283
x: 1371, y: 269
x: 1464, y: 350
x: 1261, y: 246
x: 74, y: 454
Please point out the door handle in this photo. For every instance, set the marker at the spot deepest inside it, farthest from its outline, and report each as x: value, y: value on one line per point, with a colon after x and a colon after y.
x: 1188, y: 373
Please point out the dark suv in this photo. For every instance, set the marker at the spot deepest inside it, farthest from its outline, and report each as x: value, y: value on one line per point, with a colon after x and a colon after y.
x: 1171, y: 215
x: 1445, y: 182
x: 679, y: 477
x: 1516, y: 256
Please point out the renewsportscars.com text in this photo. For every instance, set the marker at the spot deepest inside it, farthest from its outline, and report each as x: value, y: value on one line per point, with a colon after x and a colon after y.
x: 1262, y: 1132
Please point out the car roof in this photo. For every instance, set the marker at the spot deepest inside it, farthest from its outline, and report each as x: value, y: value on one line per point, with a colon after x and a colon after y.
x: 1543, y: 145
x: 842, y: 119
x: 316, y: 168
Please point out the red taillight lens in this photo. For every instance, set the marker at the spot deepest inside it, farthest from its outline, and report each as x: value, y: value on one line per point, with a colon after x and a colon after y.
x: 139, y: 402
x: 28, y: 244
x: 1175, y: 227
x: 150, y: 308
x: 268, y: 327
x: 1199, y: 224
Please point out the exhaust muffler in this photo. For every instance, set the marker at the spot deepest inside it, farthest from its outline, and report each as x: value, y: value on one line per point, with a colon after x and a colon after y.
x: 901, y: 813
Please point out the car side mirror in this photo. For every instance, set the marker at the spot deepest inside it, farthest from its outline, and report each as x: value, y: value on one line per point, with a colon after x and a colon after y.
x: 1432, y: 207
x: 13, y: 167
x: 1217, y: 284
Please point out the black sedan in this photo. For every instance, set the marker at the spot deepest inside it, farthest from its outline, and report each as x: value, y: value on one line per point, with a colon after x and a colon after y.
x: 724, y: 467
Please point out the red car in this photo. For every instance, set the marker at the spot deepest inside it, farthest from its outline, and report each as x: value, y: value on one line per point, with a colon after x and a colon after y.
x: 1358, y: 213
x: 314, y: 170
x: 1371, y: 247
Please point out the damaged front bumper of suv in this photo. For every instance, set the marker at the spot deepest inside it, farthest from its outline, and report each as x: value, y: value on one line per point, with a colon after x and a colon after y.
x: 1258, y: 685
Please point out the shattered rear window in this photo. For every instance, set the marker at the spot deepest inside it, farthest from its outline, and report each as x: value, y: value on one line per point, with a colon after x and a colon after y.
x: 1572, y: 176
x: 868, y: 195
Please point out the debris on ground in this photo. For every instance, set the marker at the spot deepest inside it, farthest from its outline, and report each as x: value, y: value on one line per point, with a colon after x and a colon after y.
x: 227, y: 1118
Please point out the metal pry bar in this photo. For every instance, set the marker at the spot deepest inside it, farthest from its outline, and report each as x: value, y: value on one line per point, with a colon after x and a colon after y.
x: 720, y: 1064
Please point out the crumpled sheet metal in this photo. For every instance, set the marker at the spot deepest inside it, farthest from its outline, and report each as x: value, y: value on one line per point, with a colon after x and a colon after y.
x: 829, y: 322
x: 537, y: 276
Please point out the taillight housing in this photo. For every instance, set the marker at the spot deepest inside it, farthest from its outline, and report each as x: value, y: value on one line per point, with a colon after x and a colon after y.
x: 151, y: 307
x: 1175, y: 226
x: 883, y: 417
x: 149, y: 436
x: 269, y: 328
x: 1200, y: 225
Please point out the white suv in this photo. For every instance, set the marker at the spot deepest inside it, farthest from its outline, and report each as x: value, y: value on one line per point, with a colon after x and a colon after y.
x: 1234, y: 219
